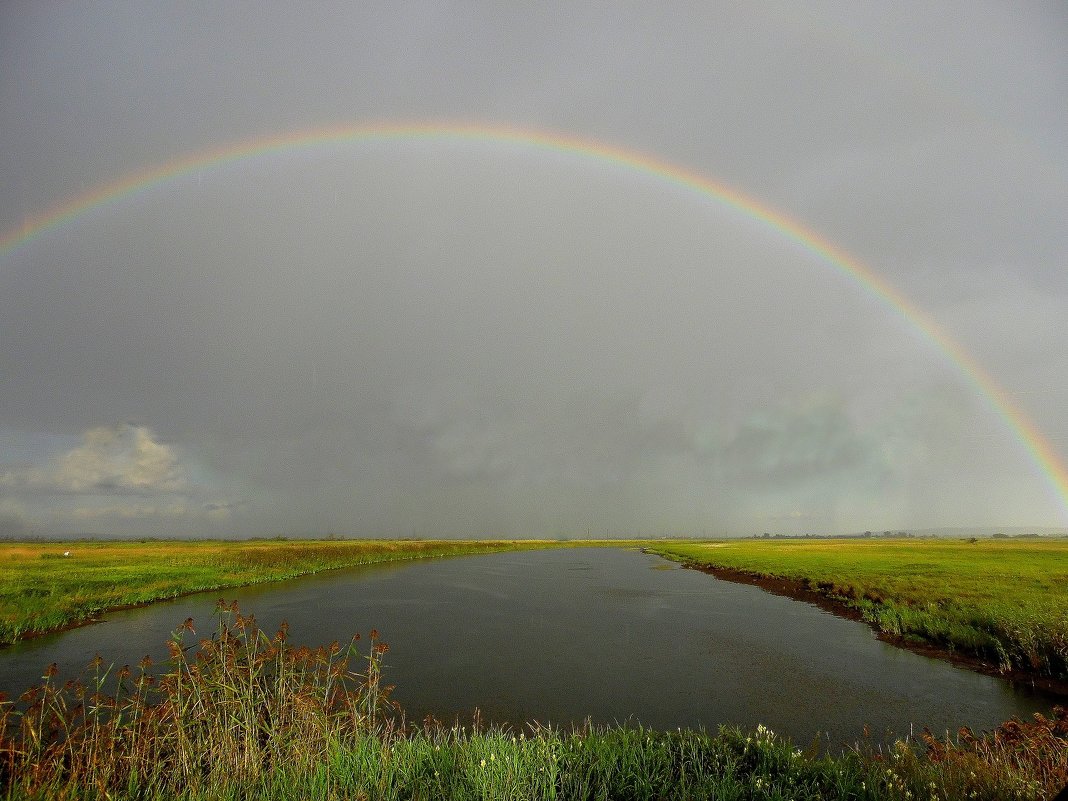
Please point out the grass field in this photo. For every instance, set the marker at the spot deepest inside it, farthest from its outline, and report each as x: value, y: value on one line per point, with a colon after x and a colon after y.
x: 1005, y: 601
x: 248, y: 715
x: 42, y: 590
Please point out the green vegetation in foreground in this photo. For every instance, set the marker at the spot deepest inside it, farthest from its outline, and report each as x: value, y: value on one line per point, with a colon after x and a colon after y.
x: 1002, y: 601
x: 42, y: 590
x: 249, y: 716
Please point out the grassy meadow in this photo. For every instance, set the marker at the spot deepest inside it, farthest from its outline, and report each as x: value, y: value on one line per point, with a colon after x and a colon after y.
x: 245, y: 713
x: 43, y: 590
x: 1003, y: 601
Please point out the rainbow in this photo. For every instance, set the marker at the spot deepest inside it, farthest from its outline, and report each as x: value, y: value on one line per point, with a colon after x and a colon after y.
x: 1046, y: 459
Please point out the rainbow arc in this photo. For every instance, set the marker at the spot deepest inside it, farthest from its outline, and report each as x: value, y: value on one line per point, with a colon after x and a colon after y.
x: 1046, y: 459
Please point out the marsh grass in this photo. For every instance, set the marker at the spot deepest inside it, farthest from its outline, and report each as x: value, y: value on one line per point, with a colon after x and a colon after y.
x: 243, y: 714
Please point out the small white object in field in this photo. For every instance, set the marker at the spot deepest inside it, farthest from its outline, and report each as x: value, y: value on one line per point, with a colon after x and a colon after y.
x: 66, y: 553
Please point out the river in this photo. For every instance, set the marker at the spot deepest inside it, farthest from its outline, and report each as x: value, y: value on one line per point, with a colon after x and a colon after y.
x: 563, y: 635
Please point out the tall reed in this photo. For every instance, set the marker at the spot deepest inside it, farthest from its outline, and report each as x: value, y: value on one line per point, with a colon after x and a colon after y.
x: 232, y: 707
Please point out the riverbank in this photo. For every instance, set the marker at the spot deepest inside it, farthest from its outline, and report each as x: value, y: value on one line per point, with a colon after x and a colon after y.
x: 245, y: 714
x: 799, y: 591
x: 51, y: 586
x: 996, y: 607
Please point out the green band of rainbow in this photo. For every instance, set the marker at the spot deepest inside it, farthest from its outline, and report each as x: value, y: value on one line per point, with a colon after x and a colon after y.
x: 1040, y: 451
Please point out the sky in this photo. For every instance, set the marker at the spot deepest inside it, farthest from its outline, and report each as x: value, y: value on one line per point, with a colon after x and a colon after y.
x: 444, y: 335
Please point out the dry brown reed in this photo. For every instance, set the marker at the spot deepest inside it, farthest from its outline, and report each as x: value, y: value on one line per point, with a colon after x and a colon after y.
x: 1031, y: 755
x: 226, y: 710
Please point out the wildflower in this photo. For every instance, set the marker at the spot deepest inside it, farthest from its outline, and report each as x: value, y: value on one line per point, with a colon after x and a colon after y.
x: 483, y: 763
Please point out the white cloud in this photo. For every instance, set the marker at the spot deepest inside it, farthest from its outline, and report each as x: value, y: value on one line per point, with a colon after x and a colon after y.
x: 119, y: 459
x: 120, y: 476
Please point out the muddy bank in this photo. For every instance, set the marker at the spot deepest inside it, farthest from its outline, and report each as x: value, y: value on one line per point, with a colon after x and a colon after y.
x: 799, y: 591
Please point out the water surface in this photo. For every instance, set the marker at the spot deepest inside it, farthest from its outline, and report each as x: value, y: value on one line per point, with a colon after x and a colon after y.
x: 564, y: 635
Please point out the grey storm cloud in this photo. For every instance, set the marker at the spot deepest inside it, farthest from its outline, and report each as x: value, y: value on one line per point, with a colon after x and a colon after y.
x: 815, y: 443
x: 466, y: 337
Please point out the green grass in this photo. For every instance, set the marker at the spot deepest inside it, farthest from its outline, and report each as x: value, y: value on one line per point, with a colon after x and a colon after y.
x: 41, y: 590
x: 244, y: 714
x: 1001, y: 601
